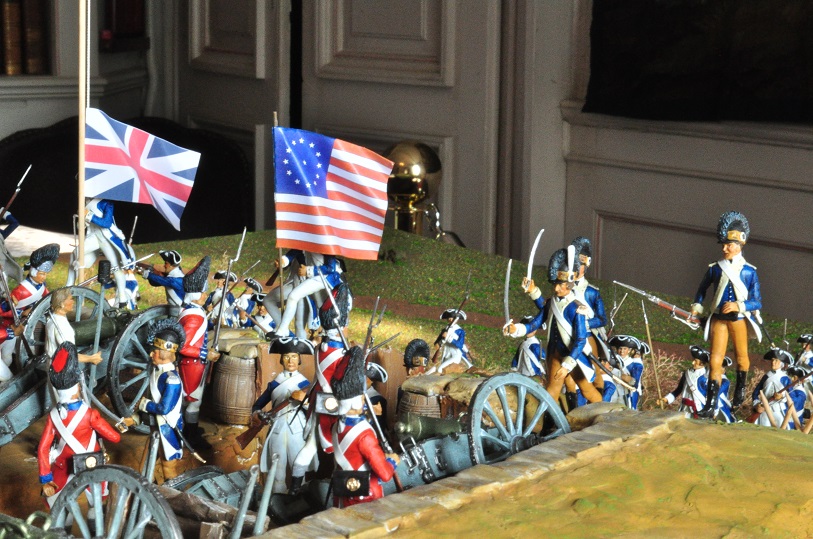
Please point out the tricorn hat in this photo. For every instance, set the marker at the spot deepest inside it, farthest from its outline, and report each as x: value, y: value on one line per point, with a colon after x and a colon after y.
x: 376, y: 372
x: 733, y: 227
x: 258, y: 298
x: 171, y: 257
x: 625, y: 340
x: 166, y: 334
x: 221, y: 274
x: 64, y: 371
x: 43, y: 258
x: 782, y: 355
x: 253, y: 284
x: 195, y: 281
x: 564, y: 266
x: 291, y: 345
x: 698, y: 352
x: 451, y: 314
x: 807, y: 338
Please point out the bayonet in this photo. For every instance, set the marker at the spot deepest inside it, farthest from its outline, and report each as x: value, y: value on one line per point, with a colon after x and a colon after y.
x: 677, y: 313
x: 533, y: 254
x: 132, y: 231
x: 505, y: 308
x: 5, y: 208
x: 615, y: 312
x: 216, y: 339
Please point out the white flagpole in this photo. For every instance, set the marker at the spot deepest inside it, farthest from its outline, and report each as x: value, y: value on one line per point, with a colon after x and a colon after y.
x: 84, y: 76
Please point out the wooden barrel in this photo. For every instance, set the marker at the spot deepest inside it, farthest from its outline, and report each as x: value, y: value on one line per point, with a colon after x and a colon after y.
x: 419, y: 405
x: 233, y: 389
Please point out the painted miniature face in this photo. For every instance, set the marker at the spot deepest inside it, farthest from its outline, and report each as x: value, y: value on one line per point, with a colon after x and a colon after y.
x: 730, y: 250
x: 40, y: 277
x: 776, y: 364
x: 261, y: 310
x: 290, y: 362
x: 696, y: 363
x: 156, y: 358
x: 167, y: 267
x: 561, y: 289
x: 624, y: 351
x: 69, y: 304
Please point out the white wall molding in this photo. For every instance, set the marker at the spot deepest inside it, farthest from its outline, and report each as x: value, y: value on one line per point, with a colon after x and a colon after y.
x: 423, y: 55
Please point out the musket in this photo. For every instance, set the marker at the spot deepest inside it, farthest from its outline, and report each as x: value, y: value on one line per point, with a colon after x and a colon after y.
x: 368, y: 340
x: 216, y: 339
x: 453, y: 321
x: 232, y: 287
x: 678, y: 314
x: 652, y: 355
x: 266, y: 418
x: 533, y: 253
x: 5, y: 208
x: 116, y: 268
x: 16, y: 317
x: 505, y: 308
x: 385, y: 444
x: 335, y: 309
x: 382, y: 343
x: 609, y: 373
x: 615, y: 312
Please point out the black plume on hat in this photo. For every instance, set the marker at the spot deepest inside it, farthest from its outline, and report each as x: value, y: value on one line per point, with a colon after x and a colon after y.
x: 167, y: 329
x: 582, y: 246
x: 352, y: 383
x: 195, y: 280
x: 64, y: 371
x: 558, y: 263
x: 46, y: 253
x: 732, y: 220
x: 343, y: 298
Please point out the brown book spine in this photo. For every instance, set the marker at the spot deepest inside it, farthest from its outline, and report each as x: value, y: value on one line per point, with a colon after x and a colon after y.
x: 34, y: 39
x: 12, y: 37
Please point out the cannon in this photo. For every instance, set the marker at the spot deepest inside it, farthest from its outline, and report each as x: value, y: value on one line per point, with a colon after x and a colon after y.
x: 123, y: 373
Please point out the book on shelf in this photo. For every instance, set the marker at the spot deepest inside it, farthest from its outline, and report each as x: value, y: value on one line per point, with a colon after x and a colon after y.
x: 11, y: 11
x: 35, y: 52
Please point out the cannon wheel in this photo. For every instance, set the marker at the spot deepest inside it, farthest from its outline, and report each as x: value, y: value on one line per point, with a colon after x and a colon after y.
x: 87, y: 301
x: 133, y: 502
x: 128, y: 368
x: 496, y: 435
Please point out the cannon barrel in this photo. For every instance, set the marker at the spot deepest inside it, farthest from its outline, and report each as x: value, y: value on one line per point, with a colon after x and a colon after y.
x: 421, y: 427
x: 86, y: 329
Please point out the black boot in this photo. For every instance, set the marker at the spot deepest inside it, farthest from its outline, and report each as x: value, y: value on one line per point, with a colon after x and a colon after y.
x: 296, y: 484
x: 572, y: 400
x: 710, y: 409
x: 739, y: 389
x: 194, y: 435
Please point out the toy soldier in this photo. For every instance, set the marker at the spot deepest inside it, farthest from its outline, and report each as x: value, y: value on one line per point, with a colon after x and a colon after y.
x: 58, y: 329
x: 805, y: 357
x: 797, y: 392
x: 770, y: 385
x: 171, y: 277
x: 9, y: 265
x: 103, y: 236
x: 262, y: 322
x: 28, y: 292
x: 244, y: 304
x: 632, y: 368
x: 529, y: 355
x: 72, y: 428
x: 724, y: 409
x: 215, y: 305
x: 693, y: 384
x: 328, y: 358
x: 452, y: 342
x: 567, y: 328
x: 162, y: 409
x: 285, y: 436
x: 735, y: 307
x: 311, y: 266
x: 356, y: 447
x: 416, y: 358
x: 194, y: 353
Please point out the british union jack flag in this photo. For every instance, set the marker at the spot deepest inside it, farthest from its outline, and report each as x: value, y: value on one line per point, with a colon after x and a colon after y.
x: 128, y: 164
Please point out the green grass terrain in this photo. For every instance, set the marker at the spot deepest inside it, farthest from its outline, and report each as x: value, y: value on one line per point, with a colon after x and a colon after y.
x: 422, y: 271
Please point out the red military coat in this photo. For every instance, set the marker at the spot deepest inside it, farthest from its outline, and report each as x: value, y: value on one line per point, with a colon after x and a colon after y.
x: 356, y: 447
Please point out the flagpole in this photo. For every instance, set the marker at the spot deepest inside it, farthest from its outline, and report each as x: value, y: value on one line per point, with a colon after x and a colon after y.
x: 84, y: 76
x: 279, y: 250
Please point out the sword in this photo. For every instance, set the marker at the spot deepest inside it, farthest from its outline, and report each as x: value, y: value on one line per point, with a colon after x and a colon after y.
x: 185, y: 442
x: 505, y: 308
x: 533, y: 253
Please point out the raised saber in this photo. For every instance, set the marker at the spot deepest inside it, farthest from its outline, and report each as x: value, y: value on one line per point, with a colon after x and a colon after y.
x: 506, y: 310
x: 533, y: 254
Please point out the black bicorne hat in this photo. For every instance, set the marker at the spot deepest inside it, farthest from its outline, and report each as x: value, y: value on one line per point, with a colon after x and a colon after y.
x: 564, y: 266
x: 195, y: 280
x: 166, y: 334
x: 291, y: 345
x: 64, y: 371
x: 733, y: 227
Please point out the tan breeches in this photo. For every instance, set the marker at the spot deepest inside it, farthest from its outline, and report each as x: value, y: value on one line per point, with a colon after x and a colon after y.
x: 720, y: 331
x: 554, y: 363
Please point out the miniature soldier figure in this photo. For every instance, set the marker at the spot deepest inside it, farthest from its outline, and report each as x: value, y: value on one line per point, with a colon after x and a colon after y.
x: 724, y: 409
x: 529, y: 355
x: 632, y: 368
x: 376, y: 373
x: 805, y: 357
x: 28, y: 292
x: 72, y: 427
x: 311, y: 266
x: 103, y: 236
x: 567, y: 328
x: 610, y: 391
x: 693, y: 383
x: 797, y: 393
x: 452, y: 342
x: 356, y: 445
x: 416, y: 358
x: 195, y: 355
x: 771, y: 384
x: 285, y: 436
x: 162, y: 409
x: 734, y: 307
x: 262, y: 322
x: 171, y: 278
x: 244, y: 304
x: 9, y: 265
x: 59, y: 330
x: 215, y: 306
x: 328, y: 358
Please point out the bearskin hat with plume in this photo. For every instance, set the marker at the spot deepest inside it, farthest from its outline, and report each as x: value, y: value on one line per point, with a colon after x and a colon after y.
x: 583, y: 246
x: 43, y: 259
x: 64, y: 371
x: 558, y: 266
x: 167, y: 329
x: 196, y: 280
x: 732, y: 221
x: 417, y: 348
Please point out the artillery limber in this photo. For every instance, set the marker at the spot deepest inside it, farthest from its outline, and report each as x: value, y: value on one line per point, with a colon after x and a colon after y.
x: 123, y: 373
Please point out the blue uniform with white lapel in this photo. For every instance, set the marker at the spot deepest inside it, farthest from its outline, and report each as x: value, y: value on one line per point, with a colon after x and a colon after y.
x: 748, y: 276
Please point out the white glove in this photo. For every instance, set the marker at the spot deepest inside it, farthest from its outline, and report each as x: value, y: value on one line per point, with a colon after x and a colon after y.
x: 142, y: 404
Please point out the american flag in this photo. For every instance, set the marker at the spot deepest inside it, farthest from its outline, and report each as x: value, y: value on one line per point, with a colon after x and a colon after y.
x: 331, y: 195
x: 128, y: 164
